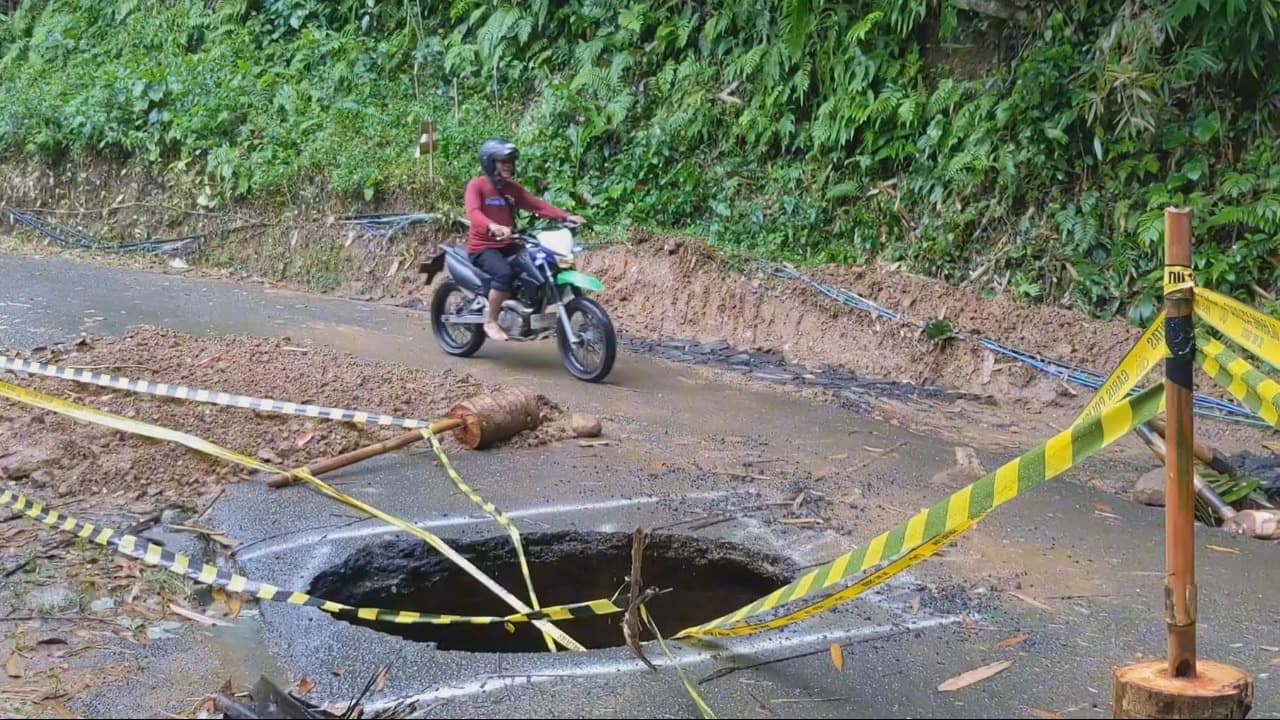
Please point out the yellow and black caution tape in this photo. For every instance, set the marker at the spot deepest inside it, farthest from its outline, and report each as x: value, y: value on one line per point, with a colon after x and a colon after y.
x: 930, y: 529
x: 157, y: 556
x: 494, y: 513
x: 1247, y: 384
x: 1256, y: 332
x: 1145, y: 353
x: 184, y: 392
x: 100, y: 417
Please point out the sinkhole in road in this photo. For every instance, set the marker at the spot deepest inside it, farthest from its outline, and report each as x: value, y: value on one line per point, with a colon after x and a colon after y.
x: 707, y: 578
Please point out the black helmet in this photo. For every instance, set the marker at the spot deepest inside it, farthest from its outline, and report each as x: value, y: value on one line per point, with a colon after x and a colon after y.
x: 493, y: 150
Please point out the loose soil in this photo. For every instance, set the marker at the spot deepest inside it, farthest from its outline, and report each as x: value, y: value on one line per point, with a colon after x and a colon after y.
x: 57, y: 458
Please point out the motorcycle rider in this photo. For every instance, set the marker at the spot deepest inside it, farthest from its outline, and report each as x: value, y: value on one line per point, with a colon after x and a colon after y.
x: 491, y: 200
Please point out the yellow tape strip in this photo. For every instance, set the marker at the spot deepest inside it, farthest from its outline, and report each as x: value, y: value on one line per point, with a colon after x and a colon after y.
x: 1145, y: 353
x: 1178, y: 277
x: 703, y: 707
x: 1258, y: 333
x: 492, y: 511
x: 99, y: 417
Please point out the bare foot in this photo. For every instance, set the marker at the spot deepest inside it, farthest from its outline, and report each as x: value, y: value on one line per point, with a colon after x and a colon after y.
x: 494, y: 331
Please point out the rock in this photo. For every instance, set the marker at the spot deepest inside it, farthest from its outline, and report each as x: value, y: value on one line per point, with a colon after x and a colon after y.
x: 1261, y: 524
x: 51, y: 599
x: 174, y: 516
x: 713, y: 346
x: 102, y: 605
x: 585, y: 425
x: 1149, y: 490
x: 24, y: 461
x: 967, y: 469
x: 270, y: 456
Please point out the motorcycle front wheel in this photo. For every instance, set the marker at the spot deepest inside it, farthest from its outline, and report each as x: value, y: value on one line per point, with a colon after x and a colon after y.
x: 591, y: 359
x: 462, y: 340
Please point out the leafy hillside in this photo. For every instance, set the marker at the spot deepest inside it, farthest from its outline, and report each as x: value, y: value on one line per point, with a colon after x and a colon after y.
x: 1030, y: 146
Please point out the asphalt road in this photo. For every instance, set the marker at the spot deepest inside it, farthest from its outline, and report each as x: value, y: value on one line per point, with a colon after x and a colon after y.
x: 1094, y: 560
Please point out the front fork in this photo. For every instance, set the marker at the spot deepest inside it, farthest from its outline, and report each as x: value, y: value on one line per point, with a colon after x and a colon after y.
x: 559, y: 302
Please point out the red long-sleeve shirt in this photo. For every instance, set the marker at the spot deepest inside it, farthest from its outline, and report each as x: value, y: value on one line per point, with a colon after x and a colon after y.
x: 486, y: 207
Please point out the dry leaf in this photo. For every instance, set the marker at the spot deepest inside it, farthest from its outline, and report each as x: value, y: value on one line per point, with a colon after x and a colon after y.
x: 841, y: 456
x: 1102, y: 507
x: 1219, y: 548
x: 380, y: 684
x: 304, y: 438
x: 1272, y: 446
x: 1011, y: 642
x: 14, y: 666
x: 198, y: 617
x: 1037, y: 712
x: 227, y: 688
x: 1030, y: 601
x: 837, y: 657
x: 57, y: 707
x: 964, y: 680
x: 875, y: 450
x: 234, y: 602
x: 969, y: 624
x: 303, y: 687
x: 659, y: 465
x: 340, y: 671
x: 915, y: 605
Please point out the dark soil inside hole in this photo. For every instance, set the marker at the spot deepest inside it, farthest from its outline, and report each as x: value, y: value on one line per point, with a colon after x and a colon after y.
x: 707, y: 579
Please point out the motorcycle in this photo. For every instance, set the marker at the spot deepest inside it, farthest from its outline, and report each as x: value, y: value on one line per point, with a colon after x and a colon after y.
x: 547, y: 295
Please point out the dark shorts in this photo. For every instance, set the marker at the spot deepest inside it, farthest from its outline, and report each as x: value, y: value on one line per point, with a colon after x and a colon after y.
x: 494, y: 263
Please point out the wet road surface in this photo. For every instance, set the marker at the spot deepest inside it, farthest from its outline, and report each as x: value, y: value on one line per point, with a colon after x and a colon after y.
x: 1095, y: 560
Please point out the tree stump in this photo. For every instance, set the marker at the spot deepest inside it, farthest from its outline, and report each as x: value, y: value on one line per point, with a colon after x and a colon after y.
x: 1145, y: 690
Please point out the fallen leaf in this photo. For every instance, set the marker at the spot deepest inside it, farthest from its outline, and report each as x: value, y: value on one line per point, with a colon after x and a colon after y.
x: 969, y: 624
x: 303, y: 687
x: 304, y: 438
x: 380, y: 684
x: 966, y: 679
x: 1272, y: 446
x: 234, y: 603
x: 14, y: 666
x: 1102, y: 507
x: 841, y: 456
x: 57, y: 707
x: 837, y: 657
x: 1011, y: 642
x: 799, y: 499
x: 340, y: 671
x: 198, y: 617
x: 1030, y: 601
x: 226, y: 688
x: 659, y: 465
x: 875, y: 450
x: 1219, y: 548
x: 1037, y: 712
x: 915, y: 605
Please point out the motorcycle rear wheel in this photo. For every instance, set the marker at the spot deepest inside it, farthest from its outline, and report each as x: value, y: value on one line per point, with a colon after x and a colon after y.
x: 458, y: 340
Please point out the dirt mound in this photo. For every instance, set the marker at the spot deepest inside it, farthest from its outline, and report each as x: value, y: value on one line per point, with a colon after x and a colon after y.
x: 55, y: 457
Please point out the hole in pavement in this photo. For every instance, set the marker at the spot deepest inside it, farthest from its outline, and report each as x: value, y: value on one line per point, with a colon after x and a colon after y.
x: 708, y: 579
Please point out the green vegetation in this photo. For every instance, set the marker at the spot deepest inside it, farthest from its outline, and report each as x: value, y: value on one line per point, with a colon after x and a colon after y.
x: 1034, y: 143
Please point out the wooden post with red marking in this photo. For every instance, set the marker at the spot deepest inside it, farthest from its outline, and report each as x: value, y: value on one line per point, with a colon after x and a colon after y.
x: 1181, y: 685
